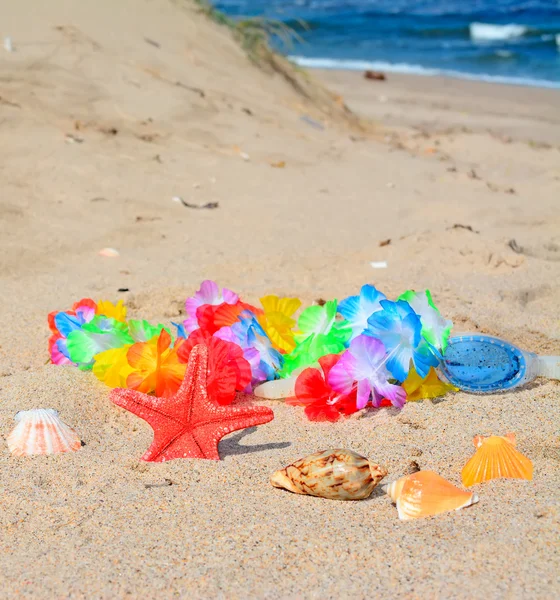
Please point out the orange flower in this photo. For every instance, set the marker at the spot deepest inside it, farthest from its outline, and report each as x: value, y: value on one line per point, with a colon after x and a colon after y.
x: 156, y: 366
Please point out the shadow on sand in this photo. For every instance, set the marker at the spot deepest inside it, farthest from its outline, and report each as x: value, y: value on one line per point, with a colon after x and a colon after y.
x: 232, y: 447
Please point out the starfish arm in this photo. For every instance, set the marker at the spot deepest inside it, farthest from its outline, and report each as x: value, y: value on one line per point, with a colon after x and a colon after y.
x: 150, y: 409
x: 200, y: 439
x: 208, y: 433
x: 172, y: 443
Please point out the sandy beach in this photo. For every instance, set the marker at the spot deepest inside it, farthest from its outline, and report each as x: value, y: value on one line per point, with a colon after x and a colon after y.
x: 448, y: 106
x: 110, y: 110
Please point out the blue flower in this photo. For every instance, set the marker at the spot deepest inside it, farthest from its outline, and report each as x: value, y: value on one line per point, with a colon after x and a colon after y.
x: 257, y: 348
x: 358, y: 309
x: 400, y: 330
x: 181, y: 332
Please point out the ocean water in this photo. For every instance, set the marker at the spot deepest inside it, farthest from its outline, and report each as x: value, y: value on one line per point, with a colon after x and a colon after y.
x: 508, y: 41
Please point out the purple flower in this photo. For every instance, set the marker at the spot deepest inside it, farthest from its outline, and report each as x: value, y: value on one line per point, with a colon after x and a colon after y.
x: 363, y: 364
x: 257, y: 348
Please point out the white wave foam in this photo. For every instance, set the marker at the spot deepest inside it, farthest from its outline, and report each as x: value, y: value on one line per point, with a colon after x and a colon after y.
x: 407, y: 69
x: 558, y: 40
x: 489, y: 32
x: 361, y: 65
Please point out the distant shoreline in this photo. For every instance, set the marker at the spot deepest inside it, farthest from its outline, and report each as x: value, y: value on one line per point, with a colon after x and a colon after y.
x: 327, y: 64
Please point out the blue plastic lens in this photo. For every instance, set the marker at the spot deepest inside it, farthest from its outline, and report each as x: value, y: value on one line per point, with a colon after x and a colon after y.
x: 481, y: 363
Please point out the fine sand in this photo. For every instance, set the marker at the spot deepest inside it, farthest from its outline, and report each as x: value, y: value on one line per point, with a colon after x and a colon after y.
x: 110, y: 109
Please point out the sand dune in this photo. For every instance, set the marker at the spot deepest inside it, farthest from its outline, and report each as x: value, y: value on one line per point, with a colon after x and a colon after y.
x: 109, y: 110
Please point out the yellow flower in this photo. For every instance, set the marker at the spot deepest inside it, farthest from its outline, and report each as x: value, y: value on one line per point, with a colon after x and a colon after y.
x: 114, y: 311
x: 417, y: 388
x: 277, y: 321
x: 111, y: 366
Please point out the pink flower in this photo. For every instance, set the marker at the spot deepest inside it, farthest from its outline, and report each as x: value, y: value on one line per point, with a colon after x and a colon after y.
x: 209, y: 293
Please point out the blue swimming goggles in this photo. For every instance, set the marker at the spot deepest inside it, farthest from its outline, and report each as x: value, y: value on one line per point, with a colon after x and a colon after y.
x: 483, y: 364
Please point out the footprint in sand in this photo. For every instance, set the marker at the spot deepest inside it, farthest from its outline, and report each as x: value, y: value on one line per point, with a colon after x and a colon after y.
x: 550, y: 250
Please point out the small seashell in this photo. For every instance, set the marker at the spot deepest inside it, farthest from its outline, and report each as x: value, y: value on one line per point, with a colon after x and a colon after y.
x: 277, y: 388
x: 40, y: 431
x: 109, y: 252
x: 334, y: 474
x: 496, y: 457
x: 425, y: 494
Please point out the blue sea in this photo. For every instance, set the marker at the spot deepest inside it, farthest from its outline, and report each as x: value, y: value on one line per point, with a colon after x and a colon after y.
x: 507, y: 41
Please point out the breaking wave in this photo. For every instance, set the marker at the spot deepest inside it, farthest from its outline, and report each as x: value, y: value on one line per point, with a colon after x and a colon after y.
x: 489, y: 32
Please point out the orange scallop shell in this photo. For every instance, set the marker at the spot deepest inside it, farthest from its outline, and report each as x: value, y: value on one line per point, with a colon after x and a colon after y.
x: 496, y: 457
x: 425, y: 493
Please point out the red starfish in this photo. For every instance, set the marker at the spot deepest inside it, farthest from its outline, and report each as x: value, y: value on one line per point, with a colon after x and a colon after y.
x: 188, y: 424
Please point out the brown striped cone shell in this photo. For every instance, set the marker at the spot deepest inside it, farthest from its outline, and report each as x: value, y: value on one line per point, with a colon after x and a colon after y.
x: 41, y: 431
x: 334, y: 474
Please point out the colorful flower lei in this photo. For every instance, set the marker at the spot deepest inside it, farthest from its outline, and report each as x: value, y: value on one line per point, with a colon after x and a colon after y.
x: 364, y: 351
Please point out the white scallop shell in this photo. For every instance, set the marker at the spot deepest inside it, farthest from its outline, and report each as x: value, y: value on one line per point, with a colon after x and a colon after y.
x: 40, y: 431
